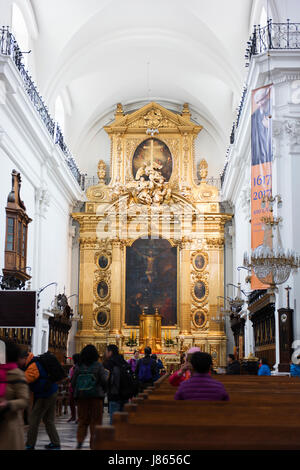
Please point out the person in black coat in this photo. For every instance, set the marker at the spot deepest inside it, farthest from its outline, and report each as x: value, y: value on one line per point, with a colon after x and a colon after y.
x: 233, y: 367
x: 113, y: 362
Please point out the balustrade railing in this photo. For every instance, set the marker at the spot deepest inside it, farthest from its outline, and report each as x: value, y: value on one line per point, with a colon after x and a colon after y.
x: 9, y: 47
x: 277, y: 36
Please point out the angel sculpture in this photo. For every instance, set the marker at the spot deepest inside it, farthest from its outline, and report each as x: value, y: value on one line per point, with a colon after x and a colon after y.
x: 144, y: 191
x: 141, y: 171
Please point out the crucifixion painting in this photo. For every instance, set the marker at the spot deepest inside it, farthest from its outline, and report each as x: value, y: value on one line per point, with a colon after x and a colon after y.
x: 151, y: 280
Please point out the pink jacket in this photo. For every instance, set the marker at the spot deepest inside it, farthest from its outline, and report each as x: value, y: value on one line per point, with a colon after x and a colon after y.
x: 4, y: 368
x: 176, y: 379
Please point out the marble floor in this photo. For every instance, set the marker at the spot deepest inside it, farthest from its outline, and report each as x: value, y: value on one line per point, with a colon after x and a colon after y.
x: 67, y: 433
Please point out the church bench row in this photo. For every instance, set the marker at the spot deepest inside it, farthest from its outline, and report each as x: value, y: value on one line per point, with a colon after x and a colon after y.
x: 266, y: 418
x: 242, y: 379
x: 202, y: 437
x: 223, y: 415
x: 263, y: 388
x: 232, y: 392
x: 246, y: 399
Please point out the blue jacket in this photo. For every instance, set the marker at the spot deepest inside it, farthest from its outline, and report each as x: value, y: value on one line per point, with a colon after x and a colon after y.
x: 264, y: 370
x: 159, y: 365
x: 43, y: 387
x: 295, y: 370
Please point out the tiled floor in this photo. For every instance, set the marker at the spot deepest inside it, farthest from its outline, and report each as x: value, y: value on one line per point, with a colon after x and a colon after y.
x: 67, y: 433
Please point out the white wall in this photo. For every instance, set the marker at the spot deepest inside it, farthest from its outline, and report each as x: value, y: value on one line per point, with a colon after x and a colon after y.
x: 283, y: 71
x: 48, y: 189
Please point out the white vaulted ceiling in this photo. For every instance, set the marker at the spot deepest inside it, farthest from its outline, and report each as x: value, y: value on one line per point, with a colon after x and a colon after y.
x: 96, y: 53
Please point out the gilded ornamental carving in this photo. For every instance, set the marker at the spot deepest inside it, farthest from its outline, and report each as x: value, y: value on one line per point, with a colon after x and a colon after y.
x: 152, y: 195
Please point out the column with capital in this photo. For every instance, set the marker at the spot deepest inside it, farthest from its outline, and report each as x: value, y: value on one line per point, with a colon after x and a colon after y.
x: 116, y: 282
x: 217, y: 338
x: 185, y: 289
x: 86, y: 295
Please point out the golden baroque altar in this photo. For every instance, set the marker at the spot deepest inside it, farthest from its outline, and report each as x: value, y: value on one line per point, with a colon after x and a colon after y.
x: 152, y: 240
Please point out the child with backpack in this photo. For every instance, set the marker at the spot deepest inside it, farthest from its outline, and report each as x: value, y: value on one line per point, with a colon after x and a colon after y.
x: 146, y: 370
x: 89, y: 383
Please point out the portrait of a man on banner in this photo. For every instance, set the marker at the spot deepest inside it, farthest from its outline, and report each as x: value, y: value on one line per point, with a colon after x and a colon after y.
x: 261, y: 126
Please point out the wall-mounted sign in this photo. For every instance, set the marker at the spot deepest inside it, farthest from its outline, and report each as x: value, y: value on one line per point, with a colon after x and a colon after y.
x: 17, y: 309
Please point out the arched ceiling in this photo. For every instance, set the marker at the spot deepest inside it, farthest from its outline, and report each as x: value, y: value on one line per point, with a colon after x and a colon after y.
x: 101, y: 52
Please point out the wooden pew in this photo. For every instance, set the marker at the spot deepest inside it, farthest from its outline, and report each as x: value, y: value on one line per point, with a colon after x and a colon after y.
x: 261, y: 415
x: 203, y: 437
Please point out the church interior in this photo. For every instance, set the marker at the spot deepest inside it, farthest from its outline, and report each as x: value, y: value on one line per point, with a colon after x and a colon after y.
x: 148, y: 186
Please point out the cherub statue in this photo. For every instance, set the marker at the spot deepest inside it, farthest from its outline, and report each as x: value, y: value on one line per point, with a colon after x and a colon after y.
x: 144, y: 191
x: 101, y: 170
x: 117, y: 190
x: 203, y: 169
x: 159, y: 193
x: 141, y: 171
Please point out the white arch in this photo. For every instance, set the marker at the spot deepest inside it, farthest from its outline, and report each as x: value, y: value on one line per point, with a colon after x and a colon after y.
x: 28, y: 13
x: 263, y: 17
x: 100, y: 119
x: 19, y: 30
x: 262, y: 9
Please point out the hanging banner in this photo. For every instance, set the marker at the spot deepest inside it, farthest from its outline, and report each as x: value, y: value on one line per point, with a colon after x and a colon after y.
x: 261, y: 169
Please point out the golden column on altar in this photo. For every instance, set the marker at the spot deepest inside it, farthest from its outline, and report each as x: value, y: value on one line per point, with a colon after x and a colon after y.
x: 150, y: 332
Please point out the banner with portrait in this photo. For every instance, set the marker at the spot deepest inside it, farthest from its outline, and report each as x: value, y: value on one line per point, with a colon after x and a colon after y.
x: 261, y: 167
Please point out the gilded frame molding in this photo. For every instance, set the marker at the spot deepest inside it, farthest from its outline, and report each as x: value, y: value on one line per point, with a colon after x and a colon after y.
x: 204, y: 311
x: 199, y: 278
x: 205, y: 256
x: 96, y: 312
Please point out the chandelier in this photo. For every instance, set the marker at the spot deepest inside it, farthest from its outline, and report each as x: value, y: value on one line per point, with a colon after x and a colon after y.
x: 270, y: 262
x: 221, y: 312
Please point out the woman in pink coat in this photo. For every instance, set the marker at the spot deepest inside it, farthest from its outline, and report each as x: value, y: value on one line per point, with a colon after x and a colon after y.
x: 14, y: 399
x: 184, y: 372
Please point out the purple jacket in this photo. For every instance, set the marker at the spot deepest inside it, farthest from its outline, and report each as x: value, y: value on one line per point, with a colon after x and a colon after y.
x: 201, y: 387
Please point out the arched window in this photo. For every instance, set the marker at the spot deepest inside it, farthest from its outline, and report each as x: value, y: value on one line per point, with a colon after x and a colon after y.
x: 60, y: 113
x: 20, y: 31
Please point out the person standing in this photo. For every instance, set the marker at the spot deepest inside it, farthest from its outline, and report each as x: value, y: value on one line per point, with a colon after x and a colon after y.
x: 233, y: 367
x: 264, y: 368
x: 158, y: 366
x: 184, y: 373
x: 44, y: 392
x: 89, y: 383
x: 14, y: 400
x: 121, y: 383
x: 145, y: 370
x: 72, y: 403
x: 134, y: 360
x: 295, y: 368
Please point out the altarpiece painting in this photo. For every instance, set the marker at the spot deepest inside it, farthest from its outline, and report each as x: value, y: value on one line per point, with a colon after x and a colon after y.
x: 151, y: 280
